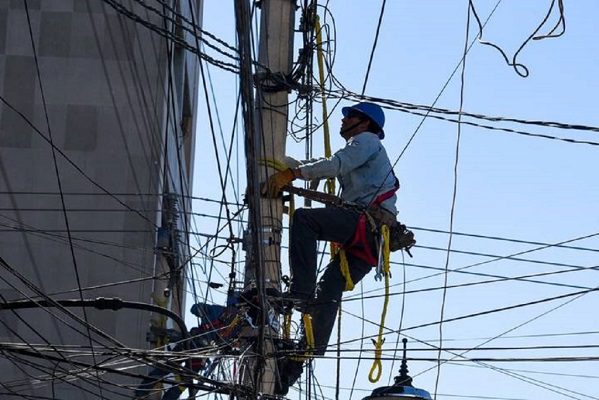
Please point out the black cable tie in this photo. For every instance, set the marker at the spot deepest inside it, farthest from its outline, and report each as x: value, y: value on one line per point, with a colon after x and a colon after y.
x: 234, y: 239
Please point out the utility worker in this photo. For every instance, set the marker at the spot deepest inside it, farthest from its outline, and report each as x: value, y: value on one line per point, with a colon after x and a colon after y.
x: 367, y: 179
x: 213, y: 329
x: 157, y: 375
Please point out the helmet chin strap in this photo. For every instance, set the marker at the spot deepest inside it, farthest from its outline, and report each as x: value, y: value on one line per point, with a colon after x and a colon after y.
x: 349, y: 128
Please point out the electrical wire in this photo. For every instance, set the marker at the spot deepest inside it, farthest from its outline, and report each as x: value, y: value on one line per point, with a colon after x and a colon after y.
x: 453, y: 204
x: 519, y: 68
x: 575, y: 295
x: 376, y: 39
x: 227, y: 66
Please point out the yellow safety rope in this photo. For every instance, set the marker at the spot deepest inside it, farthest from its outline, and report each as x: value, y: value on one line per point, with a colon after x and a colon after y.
x: 344, y: 265
x: 307, y: 318
x: 309, y: 335
x: 330, y: 185
x: 377, y: 366
x: 287, y: 326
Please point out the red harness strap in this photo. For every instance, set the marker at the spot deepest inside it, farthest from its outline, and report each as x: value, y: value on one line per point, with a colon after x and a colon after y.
x: 359, y: 245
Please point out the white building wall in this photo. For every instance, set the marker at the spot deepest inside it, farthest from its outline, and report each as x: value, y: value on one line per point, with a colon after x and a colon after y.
x: 105, y: 106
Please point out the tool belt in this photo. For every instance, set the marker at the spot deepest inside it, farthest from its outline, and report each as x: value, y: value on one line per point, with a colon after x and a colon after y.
x: 400, y: 236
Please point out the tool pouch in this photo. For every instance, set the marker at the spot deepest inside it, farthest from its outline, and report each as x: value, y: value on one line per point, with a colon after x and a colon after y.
x: 401, y: 238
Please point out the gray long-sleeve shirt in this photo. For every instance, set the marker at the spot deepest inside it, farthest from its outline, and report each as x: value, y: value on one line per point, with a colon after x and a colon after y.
x: 362, y: 168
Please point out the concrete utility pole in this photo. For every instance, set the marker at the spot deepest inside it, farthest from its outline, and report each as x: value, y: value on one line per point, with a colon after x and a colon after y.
x: 276, y: 53
x: 269, y: 121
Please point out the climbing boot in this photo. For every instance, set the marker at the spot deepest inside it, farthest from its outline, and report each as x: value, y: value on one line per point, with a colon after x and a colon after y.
x: 298, y: 301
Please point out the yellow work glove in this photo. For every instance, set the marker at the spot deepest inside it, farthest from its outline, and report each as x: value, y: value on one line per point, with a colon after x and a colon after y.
x: 276, y: 182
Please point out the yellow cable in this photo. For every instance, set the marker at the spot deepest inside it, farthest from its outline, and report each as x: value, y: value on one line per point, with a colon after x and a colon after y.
x: 377, y: 367
x: 343, y: 264
x: 330, y: 185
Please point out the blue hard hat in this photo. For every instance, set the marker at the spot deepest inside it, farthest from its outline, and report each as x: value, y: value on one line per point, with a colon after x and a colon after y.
x: 372, y: 111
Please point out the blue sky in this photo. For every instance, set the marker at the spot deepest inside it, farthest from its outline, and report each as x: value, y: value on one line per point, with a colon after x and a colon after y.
x: 508, y: 186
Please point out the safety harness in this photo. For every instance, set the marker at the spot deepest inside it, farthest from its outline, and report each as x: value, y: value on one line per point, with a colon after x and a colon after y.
x: 359, y: 246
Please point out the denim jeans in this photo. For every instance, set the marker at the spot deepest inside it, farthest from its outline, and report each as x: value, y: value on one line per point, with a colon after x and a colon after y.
x: 309, y: 226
